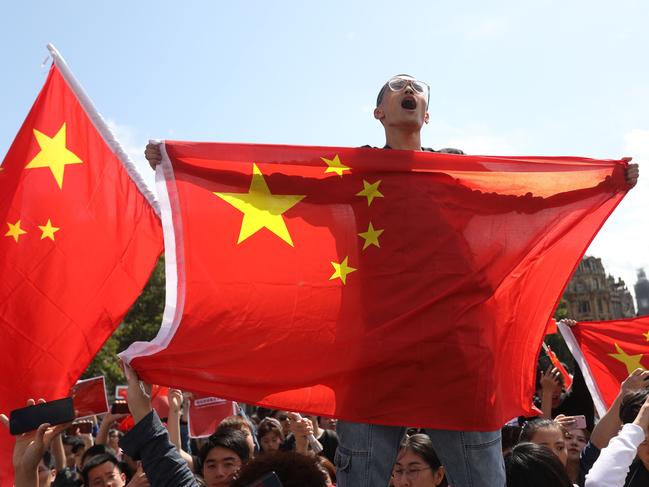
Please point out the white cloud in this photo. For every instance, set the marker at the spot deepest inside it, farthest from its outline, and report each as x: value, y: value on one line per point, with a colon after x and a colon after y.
x: 133, y: 144
x: 623, y: 242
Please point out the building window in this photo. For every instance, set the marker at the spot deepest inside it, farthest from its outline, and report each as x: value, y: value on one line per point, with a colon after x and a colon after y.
x: 584, y: 307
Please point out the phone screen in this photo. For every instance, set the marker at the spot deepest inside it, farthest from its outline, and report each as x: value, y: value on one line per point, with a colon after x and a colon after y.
x: 31, y: 417
x: 580, y: 422
x: 120, y: 407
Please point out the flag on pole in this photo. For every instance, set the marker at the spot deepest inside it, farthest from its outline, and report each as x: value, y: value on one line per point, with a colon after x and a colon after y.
x: 79, y: 239
x: 371, y: 285
x: 607, y: 352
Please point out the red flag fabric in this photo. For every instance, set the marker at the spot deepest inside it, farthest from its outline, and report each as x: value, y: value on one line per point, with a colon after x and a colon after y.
x: 78, y: 243
x: 89, y: 396
x: 160, y: 400
x: 607, y: 352
x: 383, y: 286
x: 205, y: 414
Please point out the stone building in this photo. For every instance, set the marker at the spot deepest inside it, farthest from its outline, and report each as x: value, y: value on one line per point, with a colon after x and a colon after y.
x: 642, y: 293
x: 592, y: 295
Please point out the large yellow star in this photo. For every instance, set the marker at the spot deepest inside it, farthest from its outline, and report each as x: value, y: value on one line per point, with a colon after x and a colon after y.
x: 371, y: 191
x: 48, y: 230
x: 15, y: 231
x: 334, y: 165
x: 632, y: 362
x: 53, y: 154
x: 261, y: 209
x: 371, y: 237
x: 341, y: 270
x: 646, y: 335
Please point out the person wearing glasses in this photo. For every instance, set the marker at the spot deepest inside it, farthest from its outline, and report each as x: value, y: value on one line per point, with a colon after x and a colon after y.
x: 367, y: 452
x: 417, y: 464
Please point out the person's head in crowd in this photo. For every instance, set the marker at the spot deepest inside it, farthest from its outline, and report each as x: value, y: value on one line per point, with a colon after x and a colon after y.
x: 46, y: 470
x: 239, y: 423
x: 223, y: 456
x: 509, y: 435
x: 547, y: 433
x: 629, y: 409
x: 293, y: 470
x: 545, y: 366
x: 576, y: 441
x: 74, y: 448
x: 327, y: 423
x: 113, y: 439
x: 103, y: 471
x: 534, y: 465
x: 417, y: 464
x: 282, y: 417
x: 93, y: 451
x: 270, y: 435
x: 262, y: 413
x: 403, y: 102
x: 327, y: 468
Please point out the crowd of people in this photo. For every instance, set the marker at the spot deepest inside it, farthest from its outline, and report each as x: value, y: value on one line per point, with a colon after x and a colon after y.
x: 563, y: 446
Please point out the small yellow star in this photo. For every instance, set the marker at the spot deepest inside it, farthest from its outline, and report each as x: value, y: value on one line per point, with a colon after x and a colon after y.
x: 341, y: 270
x: 646, y: 335
x: 261, y: 209
x: 15, y: 231
x: 632, y: 362
x: 53, y: 154
x: 335, y: 166
x: 370, y: 191
x: 371, y: 236
x: 48, y: 230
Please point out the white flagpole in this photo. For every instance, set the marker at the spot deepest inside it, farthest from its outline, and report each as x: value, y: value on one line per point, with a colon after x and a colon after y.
x: 573, y: 346
x: 103, y: 128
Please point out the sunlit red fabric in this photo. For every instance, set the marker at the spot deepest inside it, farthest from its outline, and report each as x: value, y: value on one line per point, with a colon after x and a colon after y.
x: 440, y: 326
x: 61, y: 299
x: 598, y: 343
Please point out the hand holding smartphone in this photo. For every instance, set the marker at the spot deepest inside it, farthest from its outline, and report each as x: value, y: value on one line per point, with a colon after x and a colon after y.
x: 119, y: 407
x: 30, y: 418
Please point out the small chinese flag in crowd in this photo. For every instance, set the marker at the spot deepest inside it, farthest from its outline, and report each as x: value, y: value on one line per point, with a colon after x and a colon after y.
x: 78, y: 241
x: 384, y: 286
x: 607, y: 352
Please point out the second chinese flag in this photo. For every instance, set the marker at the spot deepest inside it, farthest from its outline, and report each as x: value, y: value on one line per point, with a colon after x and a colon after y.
x: 372, y: 285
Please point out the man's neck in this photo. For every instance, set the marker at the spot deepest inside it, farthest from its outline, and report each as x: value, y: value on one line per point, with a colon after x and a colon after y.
x: 403, y: 140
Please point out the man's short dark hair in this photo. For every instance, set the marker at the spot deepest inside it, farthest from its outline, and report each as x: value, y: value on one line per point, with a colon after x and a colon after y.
x: 231, y: 439
x: 631, y: 404
x: 95, y: 462
x: 293, y: 469
x: 95, y: 450
x: 379, y: 98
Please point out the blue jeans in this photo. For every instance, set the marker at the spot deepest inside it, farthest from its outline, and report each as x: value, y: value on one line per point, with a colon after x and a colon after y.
x: 367, y: 452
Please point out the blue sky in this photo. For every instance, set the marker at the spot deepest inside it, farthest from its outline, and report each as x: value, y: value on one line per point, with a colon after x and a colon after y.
x: 507, y: 77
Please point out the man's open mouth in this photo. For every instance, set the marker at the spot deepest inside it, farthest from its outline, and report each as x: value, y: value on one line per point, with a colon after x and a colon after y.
x: 409, y: 103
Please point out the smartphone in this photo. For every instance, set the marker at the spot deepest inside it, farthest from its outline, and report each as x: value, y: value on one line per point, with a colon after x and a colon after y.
x: 580, y: 422
x: 269, y: 480
x: 31, y: 417
x: 119, y: 407
x: 84, y: 428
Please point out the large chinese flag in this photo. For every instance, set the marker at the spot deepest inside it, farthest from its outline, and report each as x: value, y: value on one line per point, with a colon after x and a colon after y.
x: 607, y: 352
x: 78, y: 242
x: 377, y: 285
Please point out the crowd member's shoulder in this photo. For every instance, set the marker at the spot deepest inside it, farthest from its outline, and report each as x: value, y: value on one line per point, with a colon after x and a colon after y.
x: 446, y: 150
